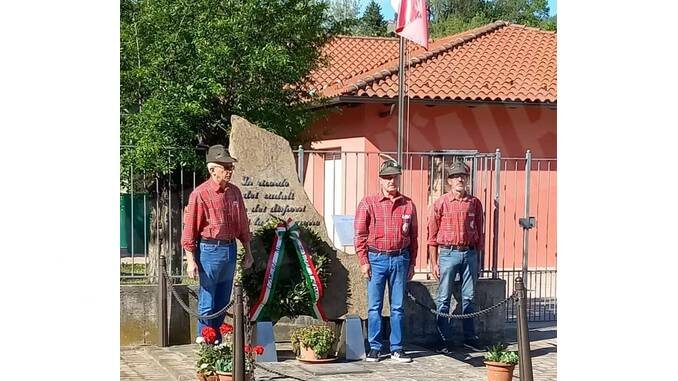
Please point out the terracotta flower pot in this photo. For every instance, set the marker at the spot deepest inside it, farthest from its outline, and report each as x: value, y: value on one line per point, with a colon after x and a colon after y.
x: 498, y: 371
x: 212, y: 377
x: 307, y: 353
x: 229, y: 376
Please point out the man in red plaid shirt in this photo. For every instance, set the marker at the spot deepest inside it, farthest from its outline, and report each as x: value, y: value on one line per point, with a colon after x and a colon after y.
x: 386, y: 245
x: 214, y: 218
x: 455, y: 235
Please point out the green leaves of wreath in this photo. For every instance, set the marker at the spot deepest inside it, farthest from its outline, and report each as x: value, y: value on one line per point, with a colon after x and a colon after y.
x: 292, y: 297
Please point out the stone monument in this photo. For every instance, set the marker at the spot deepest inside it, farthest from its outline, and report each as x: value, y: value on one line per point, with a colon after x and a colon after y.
x: 267, y: 177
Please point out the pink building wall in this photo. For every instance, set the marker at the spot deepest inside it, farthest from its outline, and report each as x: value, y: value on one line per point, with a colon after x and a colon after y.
x: 481, y: 127
x: 358, y: 133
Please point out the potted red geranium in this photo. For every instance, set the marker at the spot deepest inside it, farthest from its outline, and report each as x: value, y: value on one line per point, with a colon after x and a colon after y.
x: 215, y: 359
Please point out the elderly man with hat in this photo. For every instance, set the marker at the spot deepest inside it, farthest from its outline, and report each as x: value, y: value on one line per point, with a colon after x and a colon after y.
x: 455, y: 235
x: 214, y: 218
x: 386, y: 245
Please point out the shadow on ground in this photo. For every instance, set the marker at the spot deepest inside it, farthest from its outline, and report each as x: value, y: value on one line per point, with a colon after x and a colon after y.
x: 538, y: 331
x: 476, y: 359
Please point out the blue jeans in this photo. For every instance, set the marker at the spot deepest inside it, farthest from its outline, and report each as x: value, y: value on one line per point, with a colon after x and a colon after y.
x: 216, y: 268
x: 451, y: 262
x: 394, y: 270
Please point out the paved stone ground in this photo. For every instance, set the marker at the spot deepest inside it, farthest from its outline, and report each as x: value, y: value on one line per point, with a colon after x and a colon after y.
x: 177, y: 363
x: 136, y: 364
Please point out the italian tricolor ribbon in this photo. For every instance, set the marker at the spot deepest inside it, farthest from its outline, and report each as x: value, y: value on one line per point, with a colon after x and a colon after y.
x: 309, y: 272
x: 274, y: 261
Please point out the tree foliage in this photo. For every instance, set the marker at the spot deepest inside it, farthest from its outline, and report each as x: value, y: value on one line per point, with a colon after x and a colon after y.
x: 372, y: 23
x: 187, y: 66
x: 343, y: 9
x: 463, y: 9
x: 343, y: 15
x: 345, y: 18
x: 454, y: 16
x: 528, y: 12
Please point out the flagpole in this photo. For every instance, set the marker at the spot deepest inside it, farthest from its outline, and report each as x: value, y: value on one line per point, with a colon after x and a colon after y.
x: 401, y: 99
x: 411, y: 23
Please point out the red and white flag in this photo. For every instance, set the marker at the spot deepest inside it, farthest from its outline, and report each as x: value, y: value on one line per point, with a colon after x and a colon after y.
x: 412, y: 21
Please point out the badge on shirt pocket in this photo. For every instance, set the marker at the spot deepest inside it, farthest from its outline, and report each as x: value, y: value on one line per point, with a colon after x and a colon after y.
x: 406, y: 224
x: 472, y: 221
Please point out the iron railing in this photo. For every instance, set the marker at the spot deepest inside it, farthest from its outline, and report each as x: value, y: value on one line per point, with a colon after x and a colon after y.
x: 336, y: 181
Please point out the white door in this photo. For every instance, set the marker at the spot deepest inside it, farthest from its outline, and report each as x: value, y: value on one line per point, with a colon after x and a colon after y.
x: 333, y: 195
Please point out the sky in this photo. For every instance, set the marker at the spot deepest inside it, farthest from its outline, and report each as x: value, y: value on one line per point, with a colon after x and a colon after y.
x: 388, y: 12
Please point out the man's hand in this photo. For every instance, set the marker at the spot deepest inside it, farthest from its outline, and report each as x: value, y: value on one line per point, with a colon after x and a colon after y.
x: 433, y: 256
x: 410, y: 273
x: 436, y: 271
x: 366, y: 270
x: 191, y: 267
x: 248, y: 260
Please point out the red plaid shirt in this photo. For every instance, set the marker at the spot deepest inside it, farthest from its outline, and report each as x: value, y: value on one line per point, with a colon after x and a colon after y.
x: 379, y: 224
x: 214, y: 213
x: 456, y: 221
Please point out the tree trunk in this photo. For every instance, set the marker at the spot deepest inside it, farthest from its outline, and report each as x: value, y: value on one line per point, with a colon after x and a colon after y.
x: 165, y: 236
x: 157, y: 242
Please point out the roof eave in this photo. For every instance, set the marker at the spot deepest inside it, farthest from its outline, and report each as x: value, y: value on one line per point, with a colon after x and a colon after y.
x: 338, y: 100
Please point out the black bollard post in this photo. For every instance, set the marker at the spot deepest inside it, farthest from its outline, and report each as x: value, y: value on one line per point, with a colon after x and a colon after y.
x: 525, y: 363
x: 162, y: 302
x: 239, y: 336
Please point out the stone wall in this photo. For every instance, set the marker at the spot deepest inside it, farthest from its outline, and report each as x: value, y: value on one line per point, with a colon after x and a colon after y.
x: 138, y: 315
x: 420, y: 324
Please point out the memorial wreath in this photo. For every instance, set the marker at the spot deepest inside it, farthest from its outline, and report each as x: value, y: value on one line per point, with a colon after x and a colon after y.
x: 289, y: 274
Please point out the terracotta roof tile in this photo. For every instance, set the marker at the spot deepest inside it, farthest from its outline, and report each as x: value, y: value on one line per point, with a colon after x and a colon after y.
x: 499, y: 61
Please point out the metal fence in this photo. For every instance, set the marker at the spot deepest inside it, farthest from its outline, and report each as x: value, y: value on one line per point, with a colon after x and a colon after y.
x: 335, y: 181
x: 152, y: 204
x: 542, y: 302
x: 151, y: 218
x: 538, y: 195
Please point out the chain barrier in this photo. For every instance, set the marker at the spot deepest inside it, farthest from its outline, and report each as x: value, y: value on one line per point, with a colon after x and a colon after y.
x: 188, y: 310
x: 514, y: 297
x: 246, y: 320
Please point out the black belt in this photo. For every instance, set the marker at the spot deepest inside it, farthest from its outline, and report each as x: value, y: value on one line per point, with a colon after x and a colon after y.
x: 210, y: 241
x: 390, y: 253
x: 457, y: 247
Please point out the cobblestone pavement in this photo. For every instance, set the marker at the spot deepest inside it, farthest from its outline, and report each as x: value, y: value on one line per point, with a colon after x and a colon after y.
x: 136, y: 365
x: 177, y: 363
